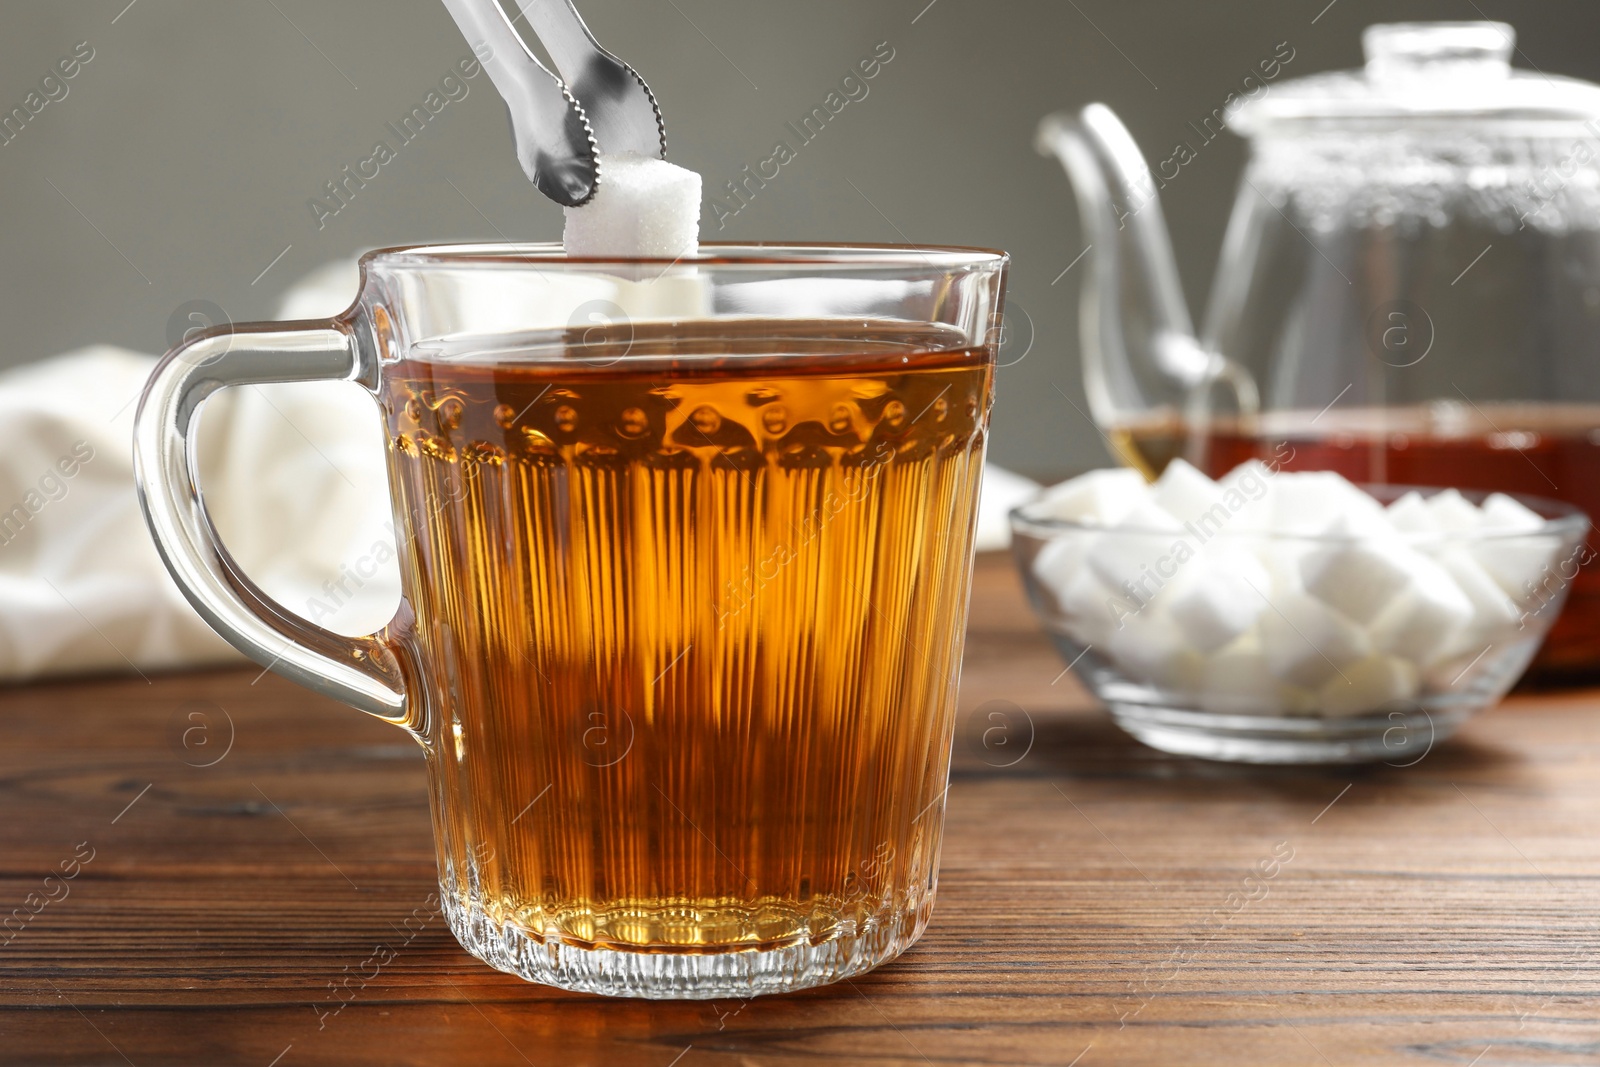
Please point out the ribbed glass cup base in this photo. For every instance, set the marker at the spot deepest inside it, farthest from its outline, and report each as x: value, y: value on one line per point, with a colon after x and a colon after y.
x: 657, y: 975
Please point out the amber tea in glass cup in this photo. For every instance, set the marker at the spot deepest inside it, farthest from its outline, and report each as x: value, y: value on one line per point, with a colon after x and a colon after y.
x: 685, y: 553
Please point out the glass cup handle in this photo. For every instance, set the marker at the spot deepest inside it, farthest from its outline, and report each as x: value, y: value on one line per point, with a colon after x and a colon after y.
x: 365, y: 672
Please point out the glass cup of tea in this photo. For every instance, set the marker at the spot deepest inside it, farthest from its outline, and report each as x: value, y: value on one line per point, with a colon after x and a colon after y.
x: 685, y: 551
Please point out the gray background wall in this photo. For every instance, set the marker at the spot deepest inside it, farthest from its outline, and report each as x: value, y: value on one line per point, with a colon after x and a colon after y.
x: 183, y: 157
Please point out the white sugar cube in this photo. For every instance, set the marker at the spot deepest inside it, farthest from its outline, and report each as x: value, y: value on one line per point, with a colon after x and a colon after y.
x: 1235, y: 503
x: 1247, y: 492
x: 1501, y: 512
x: 1059, y: 560
x: 1077, y: 593
x: 1152, y: 651
x: 1411, y: 514
x: 1301, y: 503
x: 1454, y: 512
x: 1420, y: 624
x: 1492, y: 609
x: 1516, y: 563
x: 1281, y: 558
x: 1061, y: 557
x: 1102, y: 496
x: 1306, y: 642
x: 644, y: 208
x: 1132, y: 554
x: 1221, y: 600
x: 1308, y: 502
x: 1370, y: 684
x: 1357, y: 575
x: 1185, y: 493
x: 1496, y: 618
x: 1238, y: 681
x: 1360, y: 512
x: 1093, y: 612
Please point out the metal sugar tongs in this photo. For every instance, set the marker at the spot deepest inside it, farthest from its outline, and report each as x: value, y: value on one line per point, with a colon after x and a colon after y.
x: 561, y: 122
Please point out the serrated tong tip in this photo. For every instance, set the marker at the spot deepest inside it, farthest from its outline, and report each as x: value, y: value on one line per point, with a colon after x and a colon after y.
x: 562, y: 120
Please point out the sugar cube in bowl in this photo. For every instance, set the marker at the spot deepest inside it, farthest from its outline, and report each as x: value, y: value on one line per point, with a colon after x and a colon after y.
x: 1287, y: 617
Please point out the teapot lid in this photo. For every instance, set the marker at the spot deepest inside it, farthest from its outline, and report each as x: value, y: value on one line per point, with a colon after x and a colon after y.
x: 1458, y: 71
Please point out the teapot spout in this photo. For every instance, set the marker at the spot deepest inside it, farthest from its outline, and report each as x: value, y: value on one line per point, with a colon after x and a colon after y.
x: 1141, y: 362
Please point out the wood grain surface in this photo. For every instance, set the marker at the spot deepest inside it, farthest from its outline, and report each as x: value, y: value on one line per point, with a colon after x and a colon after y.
x: 200, y: 861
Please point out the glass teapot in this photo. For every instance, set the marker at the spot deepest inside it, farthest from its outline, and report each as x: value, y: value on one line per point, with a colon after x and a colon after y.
x: 1409, y: 289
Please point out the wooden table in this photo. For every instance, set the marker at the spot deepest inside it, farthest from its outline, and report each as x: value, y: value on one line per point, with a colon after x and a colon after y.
x: 237, y: 846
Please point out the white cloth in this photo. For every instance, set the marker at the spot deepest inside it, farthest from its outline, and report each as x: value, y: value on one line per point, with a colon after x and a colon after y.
x: 82, y: 588
x: 293, y: 477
